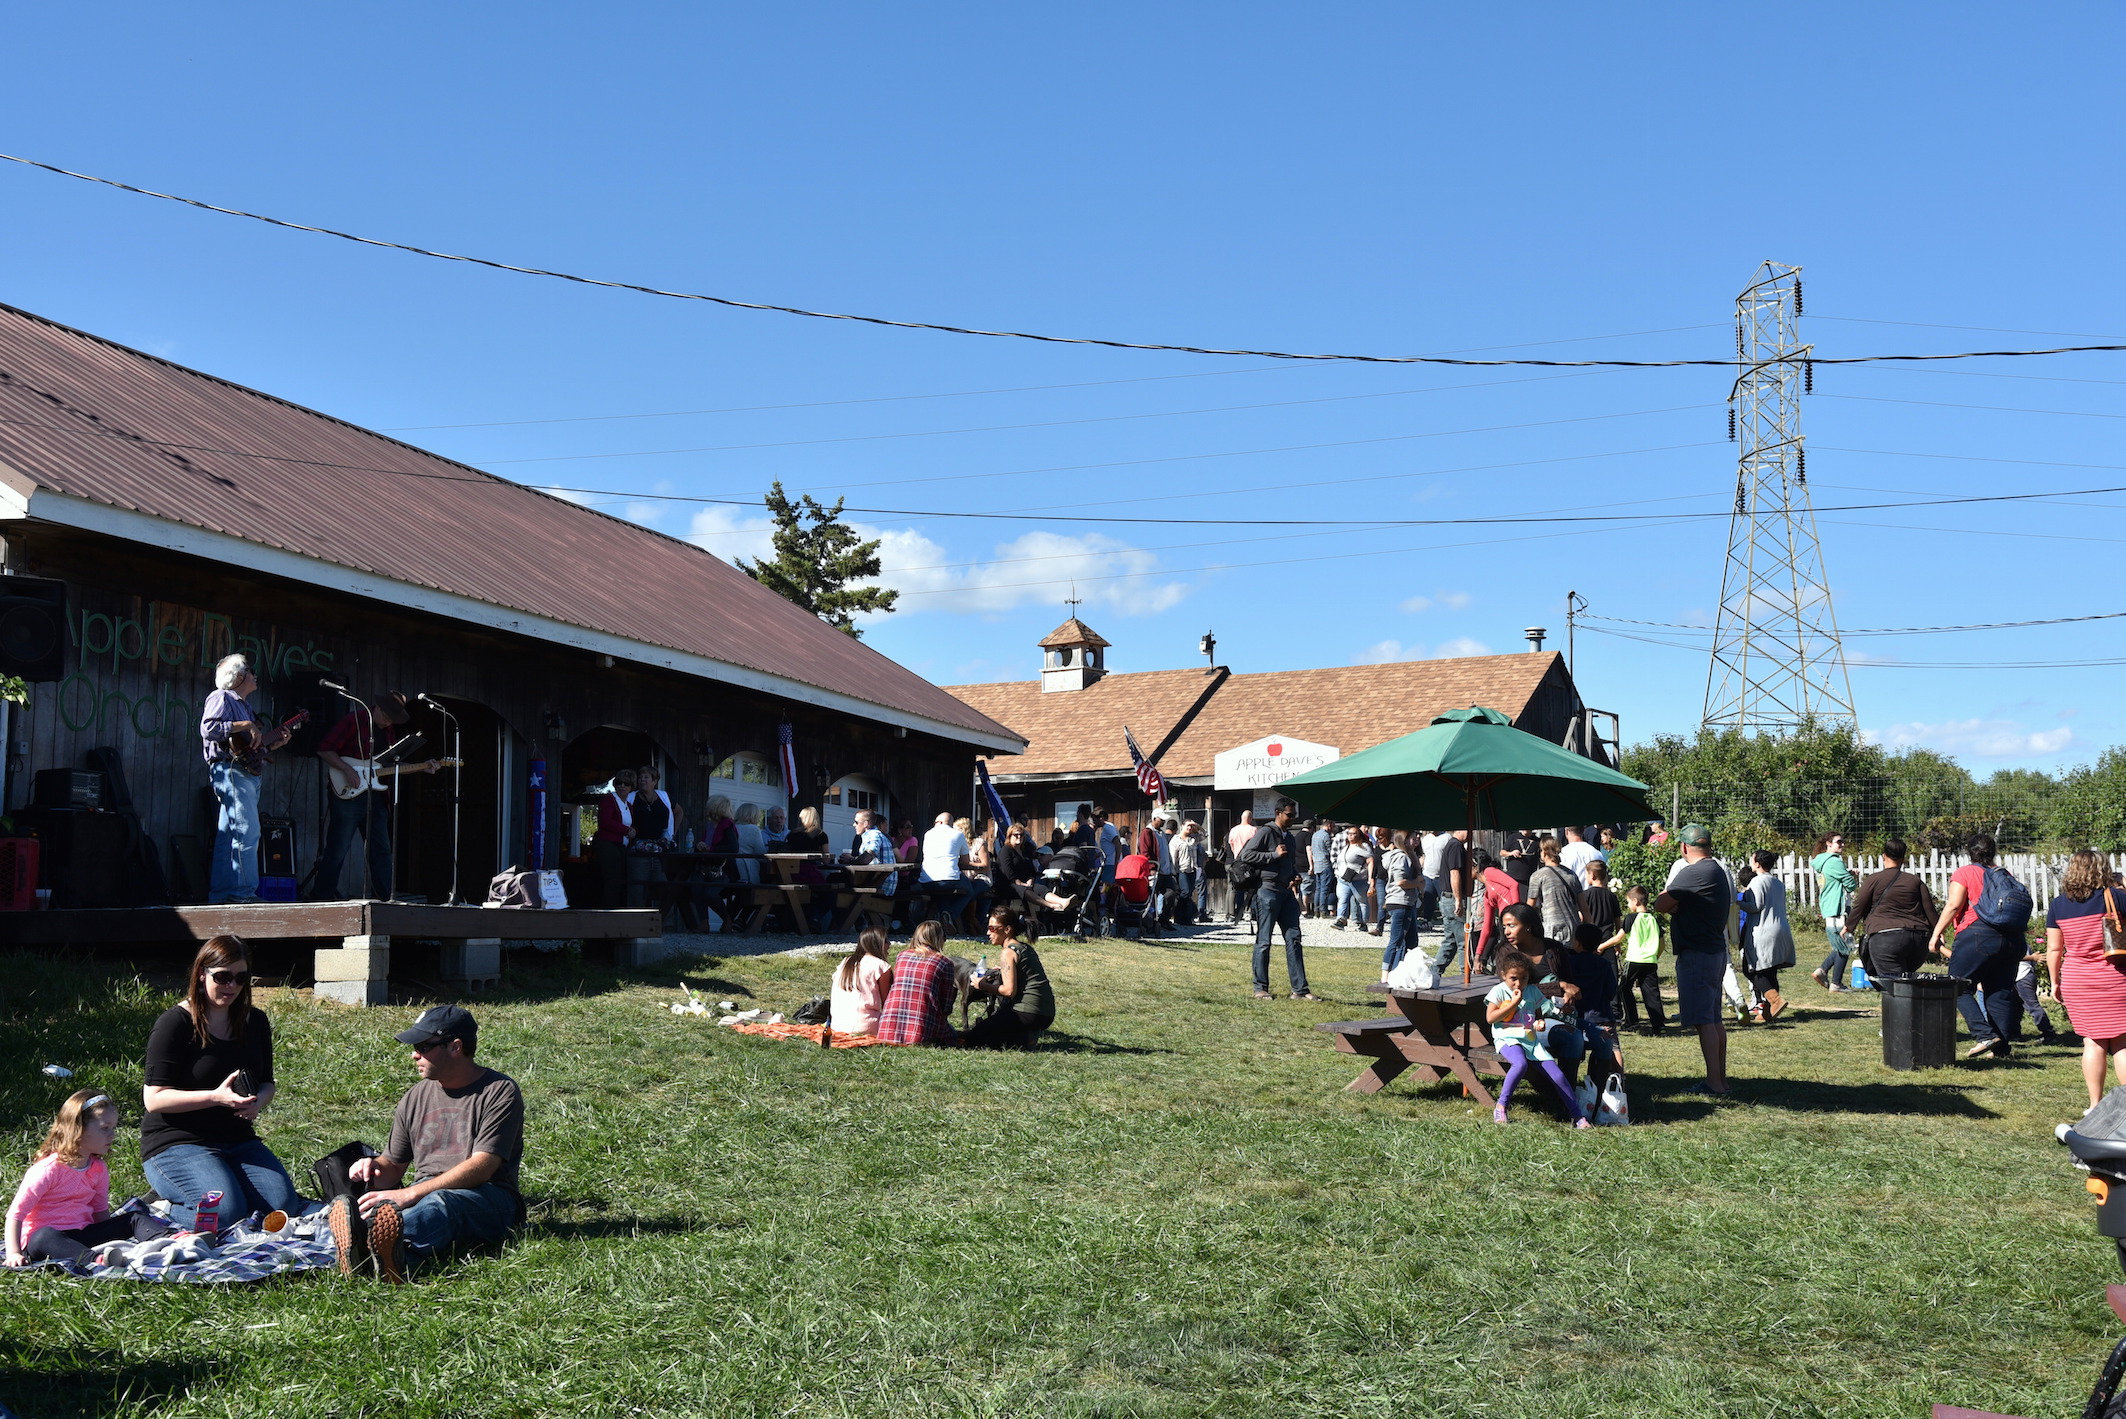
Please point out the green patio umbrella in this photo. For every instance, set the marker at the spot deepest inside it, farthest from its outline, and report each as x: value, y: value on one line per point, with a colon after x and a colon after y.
x: 1469, y: 768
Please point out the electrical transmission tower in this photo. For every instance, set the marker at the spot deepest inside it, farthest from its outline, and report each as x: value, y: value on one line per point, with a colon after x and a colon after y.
x: 1777, y: 660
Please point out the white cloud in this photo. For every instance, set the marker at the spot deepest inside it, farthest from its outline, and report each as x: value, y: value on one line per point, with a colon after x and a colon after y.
x: 1450, y: 600
x: 1977, y: 738
x: 644, y: 513
x: 1389, y: 652
x: 1033, y: 568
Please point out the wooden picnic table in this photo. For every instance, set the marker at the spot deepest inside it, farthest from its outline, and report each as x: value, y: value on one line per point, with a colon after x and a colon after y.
x: 1438, y: 1031
x: 795, y: 894
x: 865, y: 893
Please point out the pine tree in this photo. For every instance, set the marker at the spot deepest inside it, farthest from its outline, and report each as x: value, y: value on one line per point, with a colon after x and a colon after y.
x: 814, y: 564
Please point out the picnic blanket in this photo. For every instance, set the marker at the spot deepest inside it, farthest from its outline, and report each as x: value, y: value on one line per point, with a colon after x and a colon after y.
x: 787, y: 1031
x: 242, y: 1252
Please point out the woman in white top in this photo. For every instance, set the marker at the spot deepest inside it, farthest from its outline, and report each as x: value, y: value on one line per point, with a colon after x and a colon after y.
x: 860, y: 986
x: 1768, y: 948
x: 750, y: 840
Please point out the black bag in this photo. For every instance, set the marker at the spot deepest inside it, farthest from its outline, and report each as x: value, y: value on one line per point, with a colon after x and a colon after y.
x: 331, y: 1170
x: 813, y: 1012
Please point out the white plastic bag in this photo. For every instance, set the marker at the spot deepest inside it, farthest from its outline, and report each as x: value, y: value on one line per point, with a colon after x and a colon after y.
x: 1584, y: 1091
x: 1615, y: 1104
x: 1414, y: 972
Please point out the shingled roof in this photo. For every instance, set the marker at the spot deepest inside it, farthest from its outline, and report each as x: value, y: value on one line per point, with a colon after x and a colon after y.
x: 1184, y: 718
x: 97, y: 436
x: 1072, y: 632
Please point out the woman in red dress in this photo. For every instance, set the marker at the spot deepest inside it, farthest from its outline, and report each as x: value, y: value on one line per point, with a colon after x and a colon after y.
x: 918, y: 1010
x: 2090, y: 984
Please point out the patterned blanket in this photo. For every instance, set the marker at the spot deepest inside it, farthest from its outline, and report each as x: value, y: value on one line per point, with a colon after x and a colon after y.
x: 243, y: 1252
x: 787, y: 1031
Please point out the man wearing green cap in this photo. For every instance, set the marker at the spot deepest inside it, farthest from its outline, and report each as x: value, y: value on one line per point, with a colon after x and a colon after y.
x: 1699, y: 900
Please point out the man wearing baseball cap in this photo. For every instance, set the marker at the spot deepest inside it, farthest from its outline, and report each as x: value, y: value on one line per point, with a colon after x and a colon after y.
x: 460, y: 1131
x: 1699, y: 900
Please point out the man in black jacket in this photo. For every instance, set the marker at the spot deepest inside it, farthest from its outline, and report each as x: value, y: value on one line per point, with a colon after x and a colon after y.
x: 1274, y: 856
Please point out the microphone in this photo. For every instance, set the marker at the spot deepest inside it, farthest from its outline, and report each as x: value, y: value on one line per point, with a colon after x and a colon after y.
x: 423, y: 698
x: 329, y: 685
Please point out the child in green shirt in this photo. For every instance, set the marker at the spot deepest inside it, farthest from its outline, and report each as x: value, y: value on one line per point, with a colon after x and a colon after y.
x: 1639, y: 933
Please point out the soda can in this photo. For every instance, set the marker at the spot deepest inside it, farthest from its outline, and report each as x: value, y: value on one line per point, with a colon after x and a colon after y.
x: 206, y: 1213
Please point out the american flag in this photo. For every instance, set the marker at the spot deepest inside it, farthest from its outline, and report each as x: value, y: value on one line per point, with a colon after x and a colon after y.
x: 786, y: 755
x: 1148, y: 776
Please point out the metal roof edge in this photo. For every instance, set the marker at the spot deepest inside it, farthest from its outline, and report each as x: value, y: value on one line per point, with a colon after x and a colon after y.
x: 67, y: 510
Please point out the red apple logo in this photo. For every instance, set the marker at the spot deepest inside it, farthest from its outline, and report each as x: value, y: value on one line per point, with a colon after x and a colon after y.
x: 1276, y: 749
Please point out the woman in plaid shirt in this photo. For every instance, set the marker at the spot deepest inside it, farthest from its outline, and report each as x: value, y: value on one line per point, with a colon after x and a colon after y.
x: 918, y: 1010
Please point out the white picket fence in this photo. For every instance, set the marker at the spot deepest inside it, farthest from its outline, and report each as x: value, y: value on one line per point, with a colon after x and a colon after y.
x: 2040, y: 872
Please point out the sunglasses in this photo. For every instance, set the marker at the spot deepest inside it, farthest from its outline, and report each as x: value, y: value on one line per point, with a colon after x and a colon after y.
x: 220, y: 977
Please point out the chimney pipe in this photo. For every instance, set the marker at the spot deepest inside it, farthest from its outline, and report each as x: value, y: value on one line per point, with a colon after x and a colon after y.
x: 1535, y: 636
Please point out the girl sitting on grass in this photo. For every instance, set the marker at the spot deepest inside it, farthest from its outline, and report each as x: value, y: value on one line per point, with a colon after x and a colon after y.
x: 1515, y: 1007
x: 63, y: 1208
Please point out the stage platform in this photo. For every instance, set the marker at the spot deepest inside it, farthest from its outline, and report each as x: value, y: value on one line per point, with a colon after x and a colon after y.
x: 356, y: 970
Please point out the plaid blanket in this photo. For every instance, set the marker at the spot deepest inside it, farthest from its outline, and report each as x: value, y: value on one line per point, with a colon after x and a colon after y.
x: 242, y: 1253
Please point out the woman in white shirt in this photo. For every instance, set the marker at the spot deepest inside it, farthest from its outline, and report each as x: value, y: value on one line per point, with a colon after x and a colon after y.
x: 860, y: 986
x: 750, y: 840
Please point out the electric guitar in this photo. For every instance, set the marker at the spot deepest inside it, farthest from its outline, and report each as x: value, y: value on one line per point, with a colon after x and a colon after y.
x: 365, y: 774
x: 247, y: 747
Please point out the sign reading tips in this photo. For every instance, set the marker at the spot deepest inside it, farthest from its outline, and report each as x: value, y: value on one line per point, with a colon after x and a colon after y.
x: 1269, y: 761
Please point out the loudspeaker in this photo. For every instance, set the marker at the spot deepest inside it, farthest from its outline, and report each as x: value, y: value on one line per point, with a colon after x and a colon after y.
x: 85, y: 858
x: 276, y: 847
x: 32, y: 628
x: 68, y: 788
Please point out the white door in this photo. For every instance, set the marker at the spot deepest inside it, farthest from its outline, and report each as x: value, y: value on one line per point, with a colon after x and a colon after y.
x: 750, y: 778
x: 837, y: 815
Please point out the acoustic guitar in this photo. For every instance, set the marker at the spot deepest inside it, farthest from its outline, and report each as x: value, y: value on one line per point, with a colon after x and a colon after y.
x: 247, y: 747
x: 365, y: 774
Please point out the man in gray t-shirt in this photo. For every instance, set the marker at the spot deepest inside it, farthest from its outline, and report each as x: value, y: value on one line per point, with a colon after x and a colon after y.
x: 460, y: 1133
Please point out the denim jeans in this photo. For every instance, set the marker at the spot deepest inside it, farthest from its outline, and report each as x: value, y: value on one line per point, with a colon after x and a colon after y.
x: 1989, y: 961
x: 370, y: 815
x: 248, y: 1176
x: 1277, y: 907
x: 234, y: 874
x: 1428, y: 905
x: 1351, y: 901
x: 1323, y: 888
x: 1189, y: 884
x: 478, y: 1214
x: 1401, y: 931
x: 1834, y: 961
x: 1451, y: 932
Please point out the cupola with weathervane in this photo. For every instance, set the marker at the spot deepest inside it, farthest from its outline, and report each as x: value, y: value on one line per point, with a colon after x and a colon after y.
x: 1070, y: 656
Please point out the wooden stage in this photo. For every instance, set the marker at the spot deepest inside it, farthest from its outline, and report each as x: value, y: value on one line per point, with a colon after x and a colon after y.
x: 356, y: 970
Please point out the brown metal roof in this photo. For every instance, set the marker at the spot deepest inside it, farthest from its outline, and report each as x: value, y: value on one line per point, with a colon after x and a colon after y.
x: 1351, y: 707
x: 89, y: 419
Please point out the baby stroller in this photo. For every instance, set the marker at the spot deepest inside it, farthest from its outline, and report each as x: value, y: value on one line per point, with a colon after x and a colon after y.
x: 1134, y: 876
x: 1070, y: 873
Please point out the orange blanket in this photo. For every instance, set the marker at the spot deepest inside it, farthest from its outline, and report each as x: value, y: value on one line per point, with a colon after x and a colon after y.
x: 804, y: 1032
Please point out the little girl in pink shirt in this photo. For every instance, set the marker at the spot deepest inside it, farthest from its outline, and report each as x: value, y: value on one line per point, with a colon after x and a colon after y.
x: 63, y: 1207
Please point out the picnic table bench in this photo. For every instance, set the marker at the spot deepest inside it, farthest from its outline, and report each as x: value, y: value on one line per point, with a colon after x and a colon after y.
x: 1440, y: 1031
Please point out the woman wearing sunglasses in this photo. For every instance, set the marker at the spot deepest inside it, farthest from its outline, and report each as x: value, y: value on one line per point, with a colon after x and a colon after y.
x: 209, y: 1074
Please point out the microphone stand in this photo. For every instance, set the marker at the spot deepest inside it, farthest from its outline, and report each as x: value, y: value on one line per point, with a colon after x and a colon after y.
x: 369, y: 722
x: 457, y: 794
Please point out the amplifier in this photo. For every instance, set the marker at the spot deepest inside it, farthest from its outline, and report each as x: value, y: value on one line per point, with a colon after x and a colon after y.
x: 68, y: 788
x: 85, y: 858
x: 276, y: 847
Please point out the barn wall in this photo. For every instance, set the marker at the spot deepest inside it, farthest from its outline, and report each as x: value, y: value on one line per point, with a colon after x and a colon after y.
x: 146, y: 627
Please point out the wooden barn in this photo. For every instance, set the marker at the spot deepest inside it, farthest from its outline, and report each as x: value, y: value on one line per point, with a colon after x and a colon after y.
x: 186, y: 517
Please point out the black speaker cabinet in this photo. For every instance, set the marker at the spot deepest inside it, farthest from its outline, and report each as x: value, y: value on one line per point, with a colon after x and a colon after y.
x: 32, y: 627
x: 68, y: 788
x: 276, y: 847
x: 85, y: 858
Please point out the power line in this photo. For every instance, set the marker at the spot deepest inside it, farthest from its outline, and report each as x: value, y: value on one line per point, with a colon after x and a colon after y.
x: 1043, y: 424
x: 1986, y: 408
x: 1882, y: 630
x: 1988, y: 329
x: 1867, y: 664
x: 941, y: 328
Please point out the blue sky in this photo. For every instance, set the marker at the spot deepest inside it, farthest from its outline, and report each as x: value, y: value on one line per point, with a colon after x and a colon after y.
x: 1391, y: 178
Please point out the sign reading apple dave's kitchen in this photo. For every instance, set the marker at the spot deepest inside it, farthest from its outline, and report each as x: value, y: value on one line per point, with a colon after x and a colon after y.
x: 1269, y: 761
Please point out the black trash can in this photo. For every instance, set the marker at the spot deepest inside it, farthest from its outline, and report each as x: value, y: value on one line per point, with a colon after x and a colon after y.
x: 1918, y: 1021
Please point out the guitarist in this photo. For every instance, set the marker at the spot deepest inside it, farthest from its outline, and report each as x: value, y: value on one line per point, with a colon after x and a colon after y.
x: 235, y: 745
x: 369, y: 814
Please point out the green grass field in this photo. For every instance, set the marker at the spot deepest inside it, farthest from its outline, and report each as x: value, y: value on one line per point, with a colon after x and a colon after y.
x: 1171, y: 1209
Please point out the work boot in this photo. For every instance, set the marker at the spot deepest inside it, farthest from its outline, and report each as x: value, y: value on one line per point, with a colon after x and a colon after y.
x: 387, y: 1243
x: 349, y: 1237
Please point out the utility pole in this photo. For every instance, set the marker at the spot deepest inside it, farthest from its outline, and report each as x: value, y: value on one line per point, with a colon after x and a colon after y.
x: 1777, y: 660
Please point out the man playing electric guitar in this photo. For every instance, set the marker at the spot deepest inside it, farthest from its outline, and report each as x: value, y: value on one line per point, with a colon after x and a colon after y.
x: 235, y: 745
x: 369, y: 814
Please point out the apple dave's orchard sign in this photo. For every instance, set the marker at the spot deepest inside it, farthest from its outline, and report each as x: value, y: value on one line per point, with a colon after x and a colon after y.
x: 1269, y: 761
